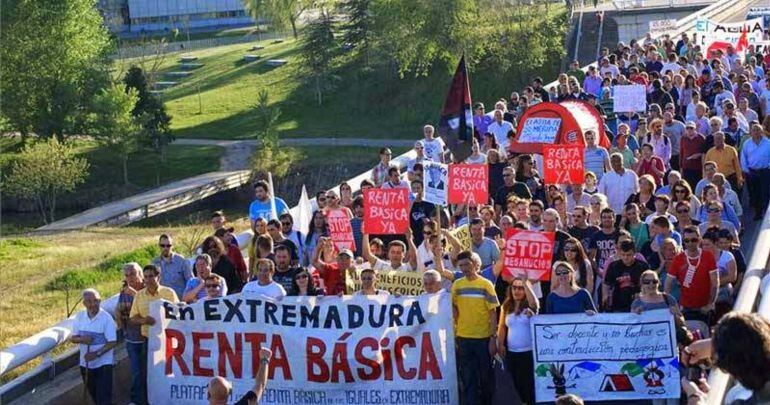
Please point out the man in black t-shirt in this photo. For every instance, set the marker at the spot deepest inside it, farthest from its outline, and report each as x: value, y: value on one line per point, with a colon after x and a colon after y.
x: 284, y: 273
x: 581, y: 230
x: 621, y: 283
x: 220, y: 389
x: 510, y: 187
x: 602, y: 245
x: 274, y: 230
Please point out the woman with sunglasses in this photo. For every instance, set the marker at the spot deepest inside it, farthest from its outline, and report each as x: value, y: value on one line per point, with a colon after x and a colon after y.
x: 575, y: 255
x: 709, y: 194
x: 714, y: 220
x: 650, y: 297
x: 302, y: 284
x: 369, y: 284
x: 681, y: 191
x: 514, y: 341
x: 565, y: 296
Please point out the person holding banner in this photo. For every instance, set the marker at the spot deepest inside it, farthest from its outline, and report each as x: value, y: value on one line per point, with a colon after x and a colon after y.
x: 219, y: 388
x: 475, y: 308
x: 264, y: 284
x: 397, y: 252
x: 333, y: 274
x: 565, y: 296
x: 514, y: 340
x: 369, y: 284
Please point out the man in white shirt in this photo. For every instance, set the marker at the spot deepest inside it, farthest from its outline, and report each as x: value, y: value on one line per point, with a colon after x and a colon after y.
x: 500, y: 130
x: 264, y: 284
x: 399, y: 257
x: 95, y: 332
x: 394, y: 180
x: 618, y: 184
x: 434, y: 147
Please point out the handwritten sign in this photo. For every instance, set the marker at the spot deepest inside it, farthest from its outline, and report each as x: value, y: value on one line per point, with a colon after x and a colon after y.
x: 629, y: 98
x: 386, y: 211
x: 434, y: 183
x: 661, y: 27
x: 392, y: 281
x: 340, y: 230
x: 468, y: 184
x: 540, y: 130
x: 463, y: 235
x: 528, y: 254
x: 563, y: 164
x: 619, y: 356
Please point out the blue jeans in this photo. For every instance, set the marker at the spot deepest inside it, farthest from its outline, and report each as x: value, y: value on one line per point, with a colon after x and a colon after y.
x: 476, y: 371
x: 98, y: 382
x: 137, y: 356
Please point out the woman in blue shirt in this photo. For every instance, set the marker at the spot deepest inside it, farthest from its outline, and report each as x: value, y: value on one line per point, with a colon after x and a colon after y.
x: 566, y: 297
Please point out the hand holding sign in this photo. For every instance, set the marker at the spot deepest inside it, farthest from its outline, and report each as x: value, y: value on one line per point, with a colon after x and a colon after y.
x: 528, y: 254
x: 563, y: 164
x: 468, y: 184
x: 386, y: 211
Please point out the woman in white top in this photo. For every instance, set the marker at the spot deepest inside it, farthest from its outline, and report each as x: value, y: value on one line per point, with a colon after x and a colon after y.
x: 514, y: 342
x: 476, y: 157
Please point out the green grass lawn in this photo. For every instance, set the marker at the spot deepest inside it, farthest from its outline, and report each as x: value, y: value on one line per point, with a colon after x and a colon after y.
x: 216, y: 101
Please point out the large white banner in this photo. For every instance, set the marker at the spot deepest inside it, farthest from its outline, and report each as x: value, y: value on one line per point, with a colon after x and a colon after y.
x: 711, y: 31
x: 328, y: 350
x: 434, y: 183
x: 617, y: 356
x: 629, y: 98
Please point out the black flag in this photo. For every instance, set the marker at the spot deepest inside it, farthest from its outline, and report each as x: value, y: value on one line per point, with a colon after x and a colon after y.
x: 456, y: 123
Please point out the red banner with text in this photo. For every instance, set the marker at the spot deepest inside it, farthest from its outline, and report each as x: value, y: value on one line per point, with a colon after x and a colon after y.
x: 528, y: 254
x: 386, y: 211
x: 563, y: 164
x: 468, y: 184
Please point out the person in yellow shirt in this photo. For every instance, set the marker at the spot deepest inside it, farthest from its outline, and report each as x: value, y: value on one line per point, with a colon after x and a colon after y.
x: 140, y: 310
x: 475, y: 310
x: 726, y: 158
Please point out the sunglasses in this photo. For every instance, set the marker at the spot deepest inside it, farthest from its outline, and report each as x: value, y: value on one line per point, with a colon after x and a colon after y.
x: 301, y: 276
x: 681, y: 190
x: 428, y: 233
x: 286, y: 223
x: 572, y: 249
x: 217, y: 286
x: 713, y: 210
x: 164, y: 245
x: 649, y: 282
x: 562, y: 273
x: 691, y: 240
x: 323, y: 199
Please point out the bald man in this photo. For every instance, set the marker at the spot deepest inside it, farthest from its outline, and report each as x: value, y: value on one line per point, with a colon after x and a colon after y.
x: 220, y: 388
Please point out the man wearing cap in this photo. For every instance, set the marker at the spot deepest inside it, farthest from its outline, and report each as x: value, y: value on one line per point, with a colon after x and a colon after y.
x: 380, y: 172
x: 480, y: 120
x: 95, y: 332
x: 692, y: 145
x: 333, y: 274
x: 434, y: 147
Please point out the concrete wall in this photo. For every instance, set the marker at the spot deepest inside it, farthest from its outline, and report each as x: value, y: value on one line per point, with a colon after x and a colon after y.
x: 634, y: 24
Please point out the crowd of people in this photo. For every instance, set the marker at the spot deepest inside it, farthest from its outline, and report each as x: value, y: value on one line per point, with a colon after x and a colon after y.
x: 656, y: 224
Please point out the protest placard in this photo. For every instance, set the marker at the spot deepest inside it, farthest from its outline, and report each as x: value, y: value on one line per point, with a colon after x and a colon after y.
x: 434, y: 182
x: 386, y: 211
x: 660, y: 27
x: 392, y: 281
x: 618, y: 356
x: 463, y: 235
x: 629, y: 98
x: 563, y: 164
x: 340, y: 230
x: 539, y: 130
x: 528, y: 254
x: 468, y: 184
x: 335, y: 350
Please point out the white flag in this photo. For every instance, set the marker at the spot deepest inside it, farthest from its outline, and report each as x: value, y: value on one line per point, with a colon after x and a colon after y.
x: 273, y: 211
x: 304, y: 214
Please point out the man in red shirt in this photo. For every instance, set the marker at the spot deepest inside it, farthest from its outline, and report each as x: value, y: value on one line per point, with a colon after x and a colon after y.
x: 333, y: 274
x: 693, y: 147
x: 696, y: 272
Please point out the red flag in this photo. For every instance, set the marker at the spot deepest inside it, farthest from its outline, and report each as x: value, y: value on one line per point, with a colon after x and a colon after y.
x: 743, y: 41
x: 456, y: 122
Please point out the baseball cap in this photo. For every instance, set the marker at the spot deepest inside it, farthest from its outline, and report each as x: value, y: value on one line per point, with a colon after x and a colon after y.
x: 345, y: 252
x: 419, y: 144
x: 690, y: 124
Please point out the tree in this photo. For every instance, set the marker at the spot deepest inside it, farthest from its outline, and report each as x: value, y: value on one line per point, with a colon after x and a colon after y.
x: 318, y: 51
x: 357, y: 30
x: 270, y: 156
x: 44, y: 170
x: 114, y: 125
x: 54, y: 55
x: 151, y: 111
x: 281, y: 13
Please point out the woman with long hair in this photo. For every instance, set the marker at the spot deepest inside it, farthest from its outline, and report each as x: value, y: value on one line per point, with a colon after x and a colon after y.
x: 575, y: 255
x: 711, y: 193
x: 221, y: 265
x: 318, y: 228
x: 346, y: 195
x: 681, y: 191
x: 496, y: 167
x: 527, y: 174
x: 598, y: 203
x: 567, y: 297
x: 645, y: 198
x: 590, y: 183
x: 650, y: 297
x: 302, y: 284
x: 514, y: 341
x: 489, y: 143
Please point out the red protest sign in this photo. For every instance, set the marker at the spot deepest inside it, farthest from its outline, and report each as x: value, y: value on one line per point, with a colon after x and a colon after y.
x: 340, y: 230
x: 386, y: 211
x: 468, y: 184
x: 528, y: 254
x: 563, y: 164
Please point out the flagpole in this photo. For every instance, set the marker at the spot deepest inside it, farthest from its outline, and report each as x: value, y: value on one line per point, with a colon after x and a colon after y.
x: 273, y: 210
